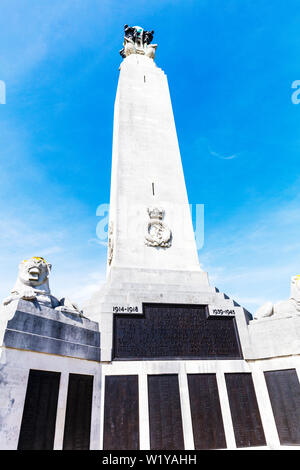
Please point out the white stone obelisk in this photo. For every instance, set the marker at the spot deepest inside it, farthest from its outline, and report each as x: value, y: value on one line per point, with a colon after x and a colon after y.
x: 147, y: 173
x: 152, y: 253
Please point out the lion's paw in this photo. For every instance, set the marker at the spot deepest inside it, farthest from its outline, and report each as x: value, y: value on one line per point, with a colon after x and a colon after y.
x: 28, y: 294
x: 266, y: 310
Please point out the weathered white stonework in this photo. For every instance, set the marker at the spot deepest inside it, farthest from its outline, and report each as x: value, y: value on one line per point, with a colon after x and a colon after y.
x: 39, y: 332
x: 14, y: 370
x: 147, y: 176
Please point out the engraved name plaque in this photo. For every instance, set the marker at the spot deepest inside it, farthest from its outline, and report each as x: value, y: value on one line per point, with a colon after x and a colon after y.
x: 284, y: 390
x: 173, y: 331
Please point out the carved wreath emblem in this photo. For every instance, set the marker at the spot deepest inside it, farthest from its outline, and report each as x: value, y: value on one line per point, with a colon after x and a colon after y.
x: 158, y: 233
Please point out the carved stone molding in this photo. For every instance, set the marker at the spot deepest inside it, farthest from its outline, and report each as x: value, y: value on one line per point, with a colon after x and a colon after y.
x: 110, y: 243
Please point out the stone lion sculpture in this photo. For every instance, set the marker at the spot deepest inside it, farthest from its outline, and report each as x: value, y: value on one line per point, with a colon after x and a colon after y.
x: 284, y: 307
x: 33, y: 285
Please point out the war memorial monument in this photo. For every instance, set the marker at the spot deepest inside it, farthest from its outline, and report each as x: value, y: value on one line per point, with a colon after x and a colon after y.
x: 158, y: 359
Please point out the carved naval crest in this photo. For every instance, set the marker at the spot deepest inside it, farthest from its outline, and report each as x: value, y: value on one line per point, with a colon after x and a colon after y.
x: 158, y: 233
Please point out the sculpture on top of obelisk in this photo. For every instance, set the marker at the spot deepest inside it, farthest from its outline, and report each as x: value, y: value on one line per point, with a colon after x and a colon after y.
x: 137, y: 41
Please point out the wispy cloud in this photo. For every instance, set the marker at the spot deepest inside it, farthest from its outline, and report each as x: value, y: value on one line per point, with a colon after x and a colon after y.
x: 97, y: 241
x: 224, y: 157
x: 203, y: 144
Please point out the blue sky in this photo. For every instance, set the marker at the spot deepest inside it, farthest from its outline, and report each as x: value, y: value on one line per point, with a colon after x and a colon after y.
x: 230, y: 67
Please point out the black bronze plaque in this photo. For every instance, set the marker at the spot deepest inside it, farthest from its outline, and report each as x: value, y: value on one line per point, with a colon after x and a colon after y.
x: 165, y: 413
x: 245, y: 414
x: 78, y: 413
x: 166, y: 331
x: 121, y: 413
x: 206, y: 412
x: 39, y: 414
x: 284, y: 392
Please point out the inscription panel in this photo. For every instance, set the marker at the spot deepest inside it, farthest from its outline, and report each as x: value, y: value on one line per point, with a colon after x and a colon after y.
x: 245, y: 414
x: 78, y: 413
x: 206, y: 412
x: 165, y: 413
x: 39, y: 414
x: 175, y: 332
x: 121, y: 413
x: 284, y: 391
